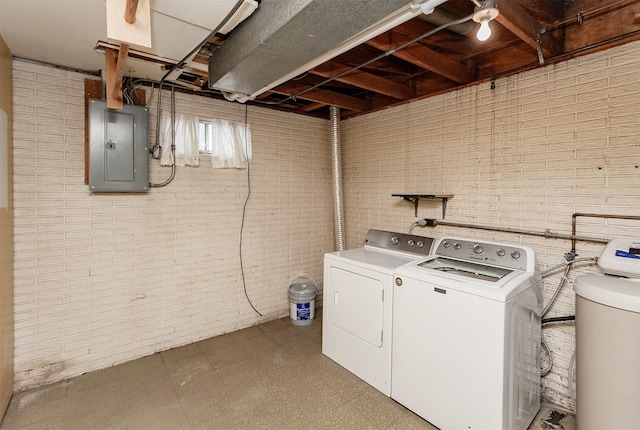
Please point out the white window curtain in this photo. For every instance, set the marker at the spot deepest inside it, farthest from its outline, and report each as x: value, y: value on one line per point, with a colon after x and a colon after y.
x: 186, y: 132
x: 230, y: 145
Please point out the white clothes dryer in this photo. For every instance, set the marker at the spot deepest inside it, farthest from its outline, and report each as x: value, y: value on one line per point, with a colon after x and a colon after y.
x: 358, y: 303
x: 466, y: 336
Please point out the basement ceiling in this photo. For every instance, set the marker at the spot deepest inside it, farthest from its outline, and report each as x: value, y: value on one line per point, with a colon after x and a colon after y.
x: 525, y: 35
x: 371, y: 76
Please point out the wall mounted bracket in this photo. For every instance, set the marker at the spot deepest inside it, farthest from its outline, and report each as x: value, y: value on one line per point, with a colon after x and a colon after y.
x: 415, y: 199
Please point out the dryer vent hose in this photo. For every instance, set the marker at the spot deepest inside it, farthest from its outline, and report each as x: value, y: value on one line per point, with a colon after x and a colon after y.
x: 337, y: 177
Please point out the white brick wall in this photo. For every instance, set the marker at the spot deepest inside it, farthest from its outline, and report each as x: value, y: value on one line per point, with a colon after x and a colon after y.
x: 539, y: 147
x: 105, y: 278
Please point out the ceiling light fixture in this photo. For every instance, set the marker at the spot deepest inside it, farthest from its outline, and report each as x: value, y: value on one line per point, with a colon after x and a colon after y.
x: 482, y: 15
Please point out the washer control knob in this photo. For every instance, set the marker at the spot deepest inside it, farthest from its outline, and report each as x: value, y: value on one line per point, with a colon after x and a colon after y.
x: 515, y: 254
x: 395, y: 240
x: 410, y: 242
x: 501, y: 252
x: 457, y: 245
x: 478, y: 249
x: 420, y: 244
x: 446, y: 244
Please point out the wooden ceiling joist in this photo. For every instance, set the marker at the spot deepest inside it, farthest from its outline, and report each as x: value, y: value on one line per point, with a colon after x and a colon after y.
x: 323, y: 96
x: 364, y: 80
x: 423, y: 57
x: 311, y: 107
x: 516, y: 19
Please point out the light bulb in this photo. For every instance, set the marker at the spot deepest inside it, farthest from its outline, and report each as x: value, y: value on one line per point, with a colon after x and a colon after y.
x: 484, y: 32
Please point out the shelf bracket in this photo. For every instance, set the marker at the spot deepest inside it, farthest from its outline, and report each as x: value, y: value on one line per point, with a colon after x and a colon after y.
x: 415, y: 199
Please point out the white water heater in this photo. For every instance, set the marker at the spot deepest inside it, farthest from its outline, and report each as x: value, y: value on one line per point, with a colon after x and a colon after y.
x: 608, y: 340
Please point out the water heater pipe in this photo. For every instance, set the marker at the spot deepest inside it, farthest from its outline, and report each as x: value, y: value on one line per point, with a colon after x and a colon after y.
x: 337, y: 177
x: 574, y: 219
x: 427, y: 222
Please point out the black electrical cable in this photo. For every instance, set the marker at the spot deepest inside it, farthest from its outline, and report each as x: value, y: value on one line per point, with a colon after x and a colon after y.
x: 173, y: 141
x: 244, y: 207
x: 557, y: 320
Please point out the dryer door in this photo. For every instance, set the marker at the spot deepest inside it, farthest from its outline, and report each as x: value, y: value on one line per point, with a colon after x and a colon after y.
x: 354, y: 303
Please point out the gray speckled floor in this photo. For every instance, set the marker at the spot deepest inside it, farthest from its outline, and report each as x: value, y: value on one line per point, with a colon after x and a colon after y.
x: 270, y: 376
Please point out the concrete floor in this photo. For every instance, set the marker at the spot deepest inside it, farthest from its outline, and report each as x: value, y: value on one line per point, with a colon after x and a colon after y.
x: 270, y: 376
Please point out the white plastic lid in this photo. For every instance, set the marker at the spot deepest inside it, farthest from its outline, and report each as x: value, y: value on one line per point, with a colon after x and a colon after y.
x: 608, y: 290
x: 303, y: 288
x: 619, y: 257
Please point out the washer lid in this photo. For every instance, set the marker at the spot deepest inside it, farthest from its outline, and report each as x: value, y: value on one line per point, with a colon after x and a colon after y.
x: 608, y: 290
x: 467, y: 269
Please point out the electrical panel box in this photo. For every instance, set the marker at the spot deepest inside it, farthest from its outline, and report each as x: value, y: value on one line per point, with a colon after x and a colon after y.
x: 118, y: 148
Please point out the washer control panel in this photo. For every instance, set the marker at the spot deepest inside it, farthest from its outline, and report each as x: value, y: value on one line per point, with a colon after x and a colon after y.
x: 499, y: 254
x: 399, y: 242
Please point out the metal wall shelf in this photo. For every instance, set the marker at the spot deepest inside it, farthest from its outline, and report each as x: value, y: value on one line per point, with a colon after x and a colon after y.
x: 415, y: 199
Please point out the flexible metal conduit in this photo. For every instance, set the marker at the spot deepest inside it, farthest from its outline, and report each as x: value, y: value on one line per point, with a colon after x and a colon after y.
x: 337, y: 177
x: 574, y: 220
x: 546, y: 234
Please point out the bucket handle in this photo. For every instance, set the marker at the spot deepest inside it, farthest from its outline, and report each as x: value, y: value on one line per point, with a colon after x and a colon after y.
x: 303, y: 276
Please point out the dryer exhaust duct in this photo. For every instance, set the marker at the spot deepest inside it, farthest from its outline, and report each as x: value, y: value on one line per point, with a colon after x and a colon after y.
x: 285, y: 38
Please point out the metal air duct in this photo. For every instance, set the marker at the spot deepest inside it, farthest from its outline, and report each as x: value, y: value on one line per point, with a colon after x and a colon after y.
x: 285, y: 38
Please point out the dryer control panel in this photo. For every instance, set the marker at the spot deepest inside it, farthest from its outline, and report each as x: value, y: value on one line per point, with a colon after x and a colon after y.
x: 399, y: 242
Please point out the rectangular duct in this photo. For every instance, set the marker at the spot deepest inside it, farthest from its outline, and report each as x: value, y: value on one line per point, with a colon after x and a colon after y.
x: 284, y: 38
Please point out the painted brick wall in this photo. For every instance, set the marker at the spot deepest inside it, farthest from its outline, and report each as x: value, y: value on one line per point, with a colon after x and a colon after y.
x: 105, y: 278
x: 539, y: 147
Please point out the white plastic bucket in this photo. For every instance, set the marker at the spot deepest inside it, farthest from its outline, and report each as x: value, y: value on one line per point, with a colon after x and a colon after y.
x: 302, y: 299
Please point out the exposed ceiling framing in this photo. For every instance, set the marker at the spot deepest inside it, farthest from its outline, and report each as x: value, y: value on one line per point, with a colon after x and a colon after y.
x: 373, y: 75
x: 526, y: 34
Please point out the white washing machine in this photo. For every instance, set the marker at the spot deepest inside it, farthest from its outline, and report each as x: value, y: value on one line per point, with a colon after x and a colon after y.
x: 466, y: 336
x: 357, y: 303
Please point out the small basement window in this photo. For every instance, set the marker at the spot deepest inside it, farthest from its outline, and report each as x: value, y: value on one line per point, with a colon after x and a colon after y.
x: 228, y: 142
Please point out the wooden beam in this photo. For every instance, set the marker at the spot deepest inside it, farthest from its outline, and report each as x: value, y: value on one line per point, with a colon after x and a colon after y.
x: 130, y: 11
x: 423, y: 57
x: 600, y: 22
x: 516, y: 19
x: 367, y: 81
x: 115, y: 64
x: 312, y: 107
x: 322, y: 96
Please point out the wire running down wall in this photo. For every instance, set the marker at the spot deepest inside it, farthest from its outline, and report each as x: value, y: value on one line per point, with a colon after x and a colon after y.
x: 105, y: 278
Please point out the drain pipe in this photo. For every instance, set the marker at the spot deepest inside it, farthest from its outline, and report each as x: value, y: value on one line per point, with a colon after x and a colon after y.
x: 337, y: 177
